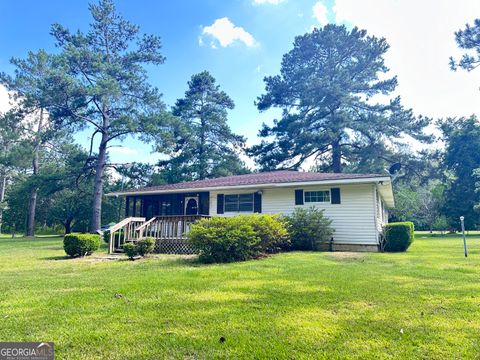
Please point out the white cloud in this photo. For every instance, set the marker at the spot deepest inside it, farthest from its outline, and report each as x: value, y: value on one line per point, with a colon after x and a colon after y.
x: 226, y: 33
x: 421, y: 36
x: 320, y: 12
x: 271, y: 2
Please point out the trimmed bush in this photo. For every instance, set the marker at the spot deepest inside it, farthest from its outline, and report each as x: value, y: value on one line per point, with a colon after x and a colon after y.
x: 81, y: 244
x: 398, y: 236
x: 309, y: 229
x: 145, y: 246
x: 237, y: 238
x: 130, y: 250
x: 222, y: 239
x: 272, y: 231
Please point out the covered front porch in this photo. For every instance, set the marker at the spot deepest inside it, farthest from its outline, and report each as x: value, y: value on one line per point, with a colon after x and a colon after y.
x: 171, y: 204
x: 165, y: 217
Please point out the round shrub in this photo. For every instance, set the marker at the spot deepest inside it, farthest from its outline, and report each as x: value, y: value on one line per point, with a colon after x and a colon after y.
x: 398, y: 236
x: 222, y: 239
x: 81, y: 244
x: 309, y: 229
x: 130, y: 250
x: 145, y: 246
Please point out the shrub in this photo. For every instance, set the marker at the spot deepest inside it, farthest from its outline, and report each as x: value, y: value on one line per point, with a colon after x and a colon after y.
x: 145, y: 246
x: 130, y: 250
x: 81, y: 244
x: 309, y: 229
x: 222, y: 239
x: 398, y: 236
x: 272, y: 231
x: 238, y: 238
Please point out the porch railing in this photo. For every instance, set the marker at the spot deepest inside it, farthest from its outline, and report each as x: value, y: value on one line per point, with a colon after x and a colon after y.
x: 164, y: 229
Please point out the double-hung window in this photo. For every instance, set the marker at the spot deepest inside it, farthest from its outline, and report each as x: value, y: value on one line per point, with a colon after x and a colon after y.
x: 239, y: 203
x: 317, y: 196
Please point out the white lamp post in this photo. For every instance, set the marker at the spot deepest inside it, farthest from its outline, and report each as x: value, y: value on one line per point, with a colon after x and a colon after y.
x: 462, y: 218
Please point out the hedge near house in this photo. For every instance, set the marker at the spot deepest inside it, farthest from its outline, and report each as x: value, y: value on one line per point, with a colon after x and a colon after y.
x: 145, y: 246
x: 309, y: 229
x: 398, y: 236
x: 81, y: 244
x: 238, y: 238
x: 130, y: 250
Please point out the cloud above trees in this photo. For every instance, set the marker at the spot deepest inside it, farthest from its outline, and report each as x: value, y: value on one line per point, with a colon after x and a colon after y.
x: 225, y: 33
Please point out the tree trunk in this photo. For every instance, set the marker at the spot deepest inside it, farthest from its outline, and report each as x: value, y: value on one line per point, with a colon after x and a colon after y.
x: 68, y: 226
x: 336, y: 156
x: 201, y: 152
x: 32, y: 203
x: 98, y: 185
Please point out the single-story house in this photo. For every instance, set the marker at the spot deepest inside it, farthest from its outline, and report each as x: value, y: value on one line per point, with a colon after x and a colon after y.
x: 357, y: 204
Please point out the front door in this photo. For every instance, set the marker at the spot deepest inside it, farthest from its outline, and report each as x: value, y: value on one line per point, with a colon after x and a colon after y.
x: 191, y: 206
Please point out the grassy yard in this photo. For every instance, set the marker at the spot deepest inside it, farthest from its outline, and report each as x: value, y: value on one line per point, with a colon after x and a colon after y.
x: 421, y: 304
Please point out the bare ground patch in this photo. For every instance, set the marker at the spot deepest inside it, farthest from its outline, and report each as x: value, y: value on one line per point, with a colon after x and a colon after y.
x: 347, y: 256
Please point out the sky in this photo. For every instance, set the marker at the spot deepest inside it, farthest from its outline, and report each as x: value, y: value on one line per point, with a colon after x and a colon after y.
x: 242, y: 41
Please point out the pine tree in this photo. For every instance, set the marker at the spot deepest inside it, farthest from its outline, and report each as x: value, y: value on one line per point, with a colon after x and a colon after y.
x: 468, y: 39
x: 206, y: 145
x: 325, y: 90
x: 99, y: 82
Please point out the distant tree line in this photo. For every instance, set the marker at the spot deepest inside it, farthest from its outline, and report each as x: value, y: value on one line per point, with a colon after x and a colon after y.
x: 338, y: 114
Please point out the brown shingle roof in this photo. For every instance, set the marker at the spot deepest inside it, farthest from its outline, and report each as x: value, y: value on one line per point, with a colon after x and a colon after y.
x: 272, y: 177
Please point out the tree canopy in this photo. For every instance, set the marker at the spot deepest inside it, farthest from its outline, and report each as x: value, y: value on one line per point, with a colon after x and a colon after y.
x: 461, y: 159
x: 206, y: 146
x: 328, y: 90
x: 468, y: 39
x: 99, y: 82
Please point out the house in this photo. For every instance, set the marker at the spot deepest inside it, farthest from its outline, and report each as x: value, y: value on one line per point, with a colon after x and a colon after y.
x: 357, y: 204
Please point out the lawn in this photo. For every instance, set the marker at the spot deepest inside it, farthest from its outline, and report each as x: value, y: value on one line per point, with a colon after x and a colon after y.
x: 421, y: 304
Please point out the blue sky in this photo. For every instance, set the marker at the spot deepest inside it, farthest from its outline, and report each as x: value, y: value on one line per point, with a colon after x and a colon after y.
x: 241, y: 41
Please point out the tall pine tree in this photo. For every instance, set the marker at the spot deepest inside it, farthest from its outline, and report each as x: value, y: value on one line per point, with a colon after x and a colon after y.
x: 326, y: 91
x: 99, y: 82
x: 206, y: 146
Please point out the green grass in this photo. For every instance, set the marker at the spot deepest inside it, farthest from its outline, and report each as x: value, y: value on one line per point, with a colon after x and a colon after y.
x: 421, y: 304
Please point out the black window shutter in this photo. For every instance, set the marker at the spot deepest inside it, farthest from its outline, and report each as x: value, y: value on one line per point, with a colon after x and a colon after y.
x: 220, y: 198
x: 335, y: 195
x: 257, y: 202
x: 299, y: 197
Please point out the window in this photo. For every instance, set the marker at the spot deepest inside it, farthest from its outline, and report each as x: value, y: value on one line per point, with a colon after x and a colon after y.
x: 317, y: 196
x: 239, y: 203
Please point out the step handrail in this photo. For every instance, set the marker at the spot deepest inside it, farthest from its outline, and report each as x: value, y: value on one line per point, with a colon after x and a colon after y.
x: 141, y: 227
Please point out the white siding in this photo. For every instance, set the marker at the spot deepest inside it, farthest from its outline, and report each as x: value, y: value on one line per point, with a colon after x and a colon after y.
x: 381, y: 212
x: 354, y: 220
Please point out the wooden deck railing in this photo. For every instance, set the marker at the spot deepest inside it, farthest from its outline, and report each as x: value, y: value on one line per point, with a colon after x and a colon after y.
x: 162, y: 228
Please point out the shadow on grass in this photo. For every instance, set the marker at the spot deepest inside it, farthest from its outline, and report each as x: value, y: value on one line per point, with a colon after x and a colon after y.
x: 58, y: 257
